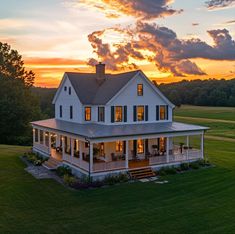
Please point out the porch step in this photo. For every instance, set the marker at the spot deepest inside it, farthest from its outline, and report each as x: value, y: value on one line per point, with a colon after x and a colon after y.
x: 141, y: 173
x: 51, y: 164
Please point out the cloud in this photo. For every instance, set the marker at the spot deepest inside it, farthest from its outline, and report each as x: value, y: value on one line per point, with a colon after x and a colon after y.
x: 219, y: 4
x: 161, y: 46
x: 195, y: 24
x: 229, y: 22
x: 140, y: 9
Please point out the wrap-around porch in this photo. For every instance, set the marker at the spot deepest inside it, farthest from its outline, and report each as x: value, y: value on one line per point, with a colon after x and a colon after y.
x: 93, y: 156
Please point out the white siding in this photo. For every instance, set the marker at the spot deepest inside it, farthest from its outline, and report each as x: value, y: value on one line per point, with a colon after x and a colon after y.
x: 130, y: 98
x: 66, y: 101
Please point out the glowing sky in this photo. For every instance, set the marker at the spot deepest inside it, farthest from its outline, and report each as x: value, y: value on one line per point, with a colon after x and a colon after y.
x: 169, y: 40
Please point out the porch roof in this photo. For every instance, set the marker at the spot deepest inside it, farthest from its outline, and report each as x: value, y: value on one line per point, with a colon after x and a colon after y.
x: 94, y: 131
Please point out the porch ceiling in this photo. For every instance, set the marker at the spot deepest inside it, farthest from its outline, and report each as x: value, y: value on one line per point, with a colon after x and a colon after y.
x: 94, y: 131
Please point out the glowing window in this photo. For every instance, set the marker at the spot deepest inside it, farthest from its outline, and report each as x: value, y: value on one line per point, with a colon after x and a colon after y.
x: 140, y: 146
x: 118, y: 113
x: 87, y: 113
x: 119, y: 146
x: 140, y: 113
x: 140, y: 89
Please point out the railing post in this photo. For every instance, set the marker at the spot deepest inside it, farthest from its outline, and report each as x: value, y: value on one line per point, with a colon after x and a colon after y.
x: 80, y: 152
x: 187, y: 144
x: 49, y: 143
x: 71, y: 149
x: 63, y: 149
x: 167, y: 150
x: 91, y: 158
x: 202, y: 145
x: 127, y: 155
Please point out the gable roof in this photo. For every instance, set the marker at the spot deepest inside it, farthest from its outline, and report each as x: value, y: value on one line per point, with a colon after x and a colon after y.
x: 90, y: 92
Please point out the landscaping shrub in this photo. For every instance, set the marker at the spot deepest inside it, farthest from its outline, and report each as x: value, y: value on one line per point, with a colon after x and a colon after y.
x: 184, y: 166
x: 63, y: 170
x: 34, y: 158
x: 194, y: 165
x: 69, y: 179
x: 167, y: 171
x: 120, y: 178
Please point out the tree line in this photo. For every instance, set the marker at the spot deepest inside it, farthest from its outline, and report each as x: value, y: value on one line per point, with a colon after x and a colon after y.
x: 209, y: 92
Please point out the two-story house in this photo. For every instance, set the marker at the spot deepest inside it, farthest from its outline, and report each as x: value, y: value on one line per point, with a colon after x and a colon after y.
x: 109, y: 123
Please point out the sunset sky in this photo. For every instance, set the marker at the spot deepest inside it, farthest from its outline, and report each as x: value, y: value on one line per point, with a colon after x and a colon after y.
x: 169, y: 40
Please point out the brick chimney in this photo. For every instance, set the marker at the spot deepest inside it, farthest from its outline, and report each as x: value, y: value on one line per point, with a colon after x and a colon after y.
x: 100, y: 72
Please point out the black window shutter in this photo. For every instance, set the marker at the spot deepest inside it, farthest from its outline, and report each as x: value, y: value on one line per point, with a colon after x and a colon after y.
x: 112, y: 114
x: 146, y: 146
x: 125, y: 113
x: 167, y: 115
x: 134, y: 147
x: 157, y: 112
x: 134, y: 113
x: 146, y: 113
x: 124, y: 147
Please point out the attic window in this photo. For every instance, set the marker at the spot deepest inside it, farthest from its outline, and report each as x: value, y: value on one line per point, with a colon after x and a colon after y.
x: 140, y: 89
x: 65, y: 88
x: 69, y: 90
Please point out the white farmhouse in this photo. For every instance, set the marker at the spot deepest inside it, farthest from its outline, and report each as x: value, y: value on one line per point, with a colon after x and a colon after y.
x: 110, y: 123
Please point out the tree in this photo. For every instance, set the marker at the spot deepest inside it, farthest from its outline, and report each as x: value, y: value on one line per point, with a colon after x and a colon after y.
x: 18, y: 106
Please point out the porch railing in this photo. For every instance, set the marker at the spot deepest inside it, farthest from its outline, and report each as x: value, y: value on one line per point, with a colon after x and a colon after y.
x: 105, y: 166
x: 41, y: 147
x: 176, y: 157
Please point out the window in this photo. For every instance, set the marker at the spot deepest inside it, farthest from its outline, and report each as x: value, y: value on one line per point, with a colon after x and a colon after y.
x: 102, y: 149
x: 140, y: 89
x: 140, y: 113
x: 140, y: 146
x: 69, y: 90
x: 101, y: 114
x: 61, y: 113
x: 118, y: 113
x: 119, y: 146
x: 162, y: 112
x: 87, y: 113
x: 65, y: 88
x: 71, y: 112
x: 87, y: 144
x: 47, y: 138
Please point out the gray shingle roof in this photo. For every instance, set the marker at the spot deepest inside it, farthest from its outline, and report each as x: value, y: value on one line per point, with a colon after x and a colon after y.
x: 95, y: 131
x: 90, y: 92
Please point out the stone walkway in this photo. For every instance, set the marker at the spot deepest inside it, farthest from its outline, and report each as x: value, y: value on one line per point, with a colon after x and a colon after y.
x: 40, y: 172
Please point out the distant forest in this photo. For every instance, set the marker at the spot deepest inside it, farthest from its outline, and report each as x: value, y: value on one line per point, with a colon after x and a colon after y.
x: 197, y: 92
x: 210, y: 92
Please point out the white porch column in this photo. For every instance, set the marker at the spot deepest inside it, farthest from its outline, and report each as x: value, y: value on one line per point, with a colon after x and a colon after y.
x: 57, y: 144
x: 44, y: 137
x: 63, y: 149
x: 202, y: 145
x: 39, y: 136
x: 49, y: 143
x: 127, y: 154
x: 80, y: 152
x: 33, y: 136
x: 167, y: 150
x: 91, y: 157
x: 187, y: 144
x: 71, y: 149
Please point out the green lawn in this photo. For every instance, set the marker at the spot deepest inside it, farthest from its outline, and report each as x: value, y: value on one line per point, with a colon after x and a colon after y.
x: 223, y: 113
x: 200, y: 201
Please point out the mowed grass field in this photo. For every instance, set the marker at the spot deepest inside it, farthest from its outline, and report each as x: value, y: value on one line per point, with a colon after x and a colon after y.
x: 200, y: 201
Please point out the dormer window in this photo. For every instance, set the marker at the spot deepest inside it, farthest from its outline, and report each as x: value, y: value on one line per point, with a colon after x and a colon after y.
x: 140, y: 89
x: 88, y: 113
x: 65, y: 88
